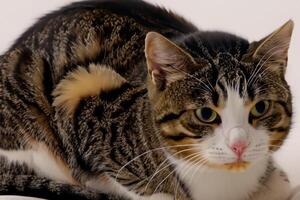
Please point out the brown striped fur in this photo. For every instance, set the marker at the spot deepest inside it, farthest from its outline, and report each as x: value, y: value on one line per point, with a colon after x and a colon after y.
x: 93, y: 87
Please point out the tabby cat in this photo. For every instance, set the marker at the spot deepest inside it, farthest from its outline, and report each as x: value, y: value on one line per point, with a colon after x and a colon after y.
x: 115, y: 99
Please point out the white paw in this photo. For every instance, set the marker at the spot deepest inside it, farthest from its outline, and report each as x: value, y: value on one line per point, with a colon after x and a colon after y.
x: 295, y: 194
x: 159, y: 196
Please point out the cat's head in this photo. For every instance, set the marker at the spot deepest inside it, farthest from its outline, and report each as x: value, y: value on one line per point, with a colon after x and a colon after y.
x: 218, y: 108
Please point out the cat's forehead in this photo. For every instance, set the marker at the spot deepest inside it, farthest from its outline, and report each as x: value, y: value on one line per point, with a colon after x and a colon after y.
x: 225, y: 63
x: 226, y: 73
x: 231, y: 71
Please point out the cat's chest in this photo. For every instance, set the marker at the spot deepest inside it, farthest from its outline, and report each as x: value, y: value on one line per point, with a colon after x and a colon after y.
x: 216, y: 184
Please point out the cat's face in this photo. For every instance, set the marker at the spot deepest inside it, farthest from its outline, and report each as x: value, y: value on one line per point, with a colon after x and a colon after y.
x: 229, y: 113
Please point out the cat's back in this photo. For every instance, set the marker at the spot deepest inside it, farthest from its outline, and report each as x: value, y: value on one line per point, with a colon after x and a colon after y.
x: 109, y: 32
x: 147, y: 15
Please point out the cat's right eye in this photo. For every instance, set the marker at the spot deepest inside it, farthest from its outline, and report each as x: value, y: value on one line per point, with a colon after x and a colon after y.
x: 207, y: 115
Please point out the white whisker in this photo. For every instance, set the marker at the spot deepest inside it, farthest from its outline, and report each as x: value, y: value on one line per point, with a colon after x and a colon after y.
x: 149, y: 151
x: 199, y: 162
x: 159, y: 170
x: 191, y: 155
x: 199, y: 80
x: 259, y: 65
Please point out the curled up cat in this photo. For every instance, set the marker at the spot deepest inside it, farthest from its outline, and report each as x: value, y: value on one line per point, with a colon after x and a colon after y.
x: 115, y: 99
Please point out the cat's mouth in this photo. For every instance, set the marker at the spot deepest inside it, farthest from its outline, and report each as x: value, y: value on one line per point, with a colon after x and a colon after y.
x: 238, y: 166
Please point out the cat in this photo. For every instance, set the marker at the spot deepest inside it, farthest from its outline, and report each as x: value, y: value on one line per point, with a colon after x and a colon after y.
x: 115, y: 99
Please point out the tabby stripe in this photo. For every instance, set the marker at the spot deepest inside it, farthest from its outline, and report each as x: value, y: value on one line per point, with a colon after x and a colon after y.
x: 180, y: 136
x: 130, y: 183
x: 223, y: 89
x: 77, y: 122
x: 279, y: 129
x: 25, y: 59
x: 250, y: 93
x: 20, y: 97
x: 20, y: 87
x: 22, y: 103
x: 169, y: 117
x: 69, y: 46
x: 215, y: 98
x: 284, y: 105
x: 48, y: 83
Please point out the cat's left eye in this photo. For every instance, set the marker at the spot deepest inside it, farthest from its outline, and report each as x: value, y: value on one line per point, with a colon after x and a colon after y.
x: 260, y: 108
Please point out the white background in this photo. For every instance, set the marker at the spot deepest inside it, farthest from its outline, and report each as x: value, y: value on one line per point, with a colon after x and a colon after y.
x: 250, y: 19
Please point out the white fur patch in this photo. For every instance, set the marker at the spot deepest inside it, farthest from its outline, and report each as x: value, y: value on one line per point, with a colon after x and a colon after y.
x: 215, y: 184
x: 112, y: 187
x: 41, y: 161
x: 83, y: 83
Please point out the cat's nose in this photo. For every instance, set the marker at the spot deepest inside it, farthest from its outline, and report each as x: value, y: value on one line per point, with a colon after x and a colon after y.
x: 238, y: 141
x: 239, y: 148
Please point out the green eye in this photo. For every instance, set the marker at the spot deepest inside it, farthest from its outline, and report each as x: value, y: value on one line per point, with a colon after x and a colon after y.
x: 206, y: 114
x: 260, y: 108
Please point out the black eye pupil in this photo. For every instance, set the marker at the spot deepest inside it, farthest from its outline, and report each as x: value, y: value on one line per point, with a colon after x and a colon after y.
x: 260, y: 107
x: 206, y: 113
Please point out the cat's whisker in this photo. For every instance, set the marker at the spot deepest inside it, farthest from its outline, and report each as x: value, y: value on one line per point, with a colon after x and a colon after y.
x: 159, y: 170
x: 260, y: 91
x: 259, y: 65
x: 200, y: 88
x: 253, y: 77
x: 190, y: 158
x: 209, y: 83
x: 263, y: 73
x: 268, y: 147
x: 200, y: 162
x: 197, y: 79
x: 284, y: 88
x: 150, y: 151
x: 263, y: 77
x: 262, y: 65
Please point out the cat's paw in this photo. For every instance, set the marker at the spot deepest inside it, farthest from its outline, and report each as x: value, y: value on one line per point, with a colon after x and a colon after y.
x: 295, y: 194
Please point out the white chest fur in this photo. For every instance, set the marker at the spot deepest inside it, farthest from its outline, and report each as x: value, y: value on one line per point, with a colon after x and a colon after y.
x: 216, y: 184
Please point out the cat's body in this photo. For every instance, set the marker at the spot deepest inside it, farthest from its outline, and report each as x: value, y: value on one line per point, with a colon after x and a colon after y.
x: 77, y: 105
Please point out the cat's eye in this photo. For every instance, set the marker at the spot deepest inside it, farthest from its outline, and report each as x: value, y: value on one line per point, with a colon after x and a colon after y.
x: 260, y: 108
x: 206, y: 115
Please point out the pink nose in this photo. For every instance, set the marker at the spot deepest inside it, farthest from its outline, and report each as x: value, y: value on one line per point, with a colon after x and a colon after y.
x: 239, y: 148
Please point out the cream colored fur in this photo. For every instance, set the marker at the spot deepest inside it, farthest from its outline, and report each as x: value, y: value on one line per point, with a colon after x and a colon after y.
x: 84, y: 82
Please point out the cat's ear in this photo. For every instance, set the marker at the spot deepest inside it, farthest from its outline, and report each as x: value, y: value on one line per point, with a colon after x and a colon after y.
x: 273, y: 49
x: 166, y: 61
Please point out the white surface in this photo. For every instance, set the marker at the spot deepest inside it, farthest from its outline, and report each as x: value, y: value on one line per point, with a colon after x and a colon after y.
x: 251, y: 19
